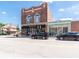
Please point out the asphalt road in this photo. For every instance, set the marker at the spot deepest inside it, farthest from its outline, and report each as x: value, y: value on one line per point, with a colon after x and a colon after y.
x: 26, y: 47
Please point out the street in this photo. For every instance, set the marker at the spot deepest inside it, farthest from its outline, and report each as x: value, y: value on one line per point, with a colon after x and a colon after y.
x: 26, y: 47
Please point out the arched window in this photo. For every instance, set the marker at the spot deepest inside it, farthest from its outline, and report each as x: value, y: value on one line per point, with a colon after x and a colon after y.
x: 37, y: 18
x: 29, y: 18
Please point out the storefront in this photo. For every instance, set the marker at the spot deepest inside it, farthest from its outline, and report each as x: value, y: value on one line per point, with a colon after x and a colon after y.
x: 59, y: 27
x: 35, y: 29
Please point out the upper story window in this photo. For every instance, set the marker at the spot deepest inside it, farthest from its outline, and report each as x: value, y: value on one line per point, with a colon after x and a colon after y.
x: 29, y: 18
x: 37, y: 18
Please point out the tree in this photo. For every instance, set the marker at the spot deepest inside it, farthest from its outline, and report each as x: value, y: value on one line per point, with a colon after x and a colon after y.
x: 17, y: 28
x: 1, y: 25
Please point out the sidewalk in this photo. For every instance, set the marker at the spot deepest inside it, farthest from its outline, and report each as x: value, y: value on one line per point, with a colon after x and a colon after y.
x: 7, y: 36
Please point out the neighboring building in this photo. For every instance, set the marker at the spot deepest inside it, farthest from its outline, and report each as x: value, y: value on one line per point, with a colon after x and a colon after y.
x: 35, y: 19
x: 58, y: 27
x: 9, y: 29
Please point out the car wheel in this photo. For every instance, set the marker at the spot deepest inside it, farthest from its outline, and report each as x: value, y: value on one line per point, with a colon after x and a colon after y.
x: 43, y: 37
x: 76, y: 39
x: 36, y: 38
x: 60, y: 38
x: 32, y: 37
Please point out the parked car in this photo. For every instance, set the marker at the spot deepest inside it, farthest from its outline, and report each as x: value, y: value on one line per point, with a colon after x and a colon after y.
x: 50, y: 34
x: 3, y: 33
x: 40, y: 35
x: 17, y: 34
x: 69, y: 36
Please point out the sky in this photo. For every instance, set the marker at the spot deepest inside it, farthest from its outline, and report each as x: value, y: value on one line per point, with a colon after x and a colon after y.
x: 10, y: 11
x: 66, y: 10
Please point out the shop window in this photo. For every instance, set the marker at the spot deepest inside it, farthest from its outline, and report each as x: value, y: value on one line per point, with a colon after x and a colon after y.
x: 65, y: 29
x: 52, y: 31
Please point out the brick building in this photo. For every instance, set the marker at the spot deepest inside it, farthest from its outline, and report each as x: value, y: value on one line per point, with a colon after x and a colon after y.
x: 35, y: 19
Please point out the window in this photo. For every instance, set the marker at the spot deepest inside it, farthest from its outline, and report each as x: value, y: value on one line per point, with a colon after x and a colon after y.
x: 65, y: 29
x: 37, y: 18
x: 28, y: 18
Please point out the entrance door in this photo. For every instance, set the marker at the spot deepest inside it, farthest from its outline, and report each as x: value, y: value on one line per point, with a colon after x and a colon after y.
x: 27, y: 30
x: 40, y: 28
x: 59, y: 30
x: 65, y: 29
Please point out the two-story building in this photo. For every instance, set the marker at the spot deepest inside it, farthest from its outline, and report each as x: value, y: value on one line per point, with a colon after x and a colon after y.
x: 35, y: 19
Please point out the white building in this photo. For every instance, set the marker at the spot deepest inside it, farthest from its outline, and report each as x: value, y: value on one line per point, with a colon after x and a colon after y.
x: 9, y: 29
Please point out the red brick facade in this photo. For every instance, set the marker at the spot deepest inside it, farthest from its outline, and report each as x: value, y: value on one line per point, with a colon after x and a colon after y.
x: 75, y: 26
x: 42, y: 10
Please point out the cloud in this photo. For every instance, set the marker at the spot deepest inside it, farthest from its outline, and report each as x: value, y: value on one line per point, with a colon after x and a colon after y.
x: 69, y: 13
x: 74, y: 10
x: 14, y: 17
x: 71, y: 19
x: 4, y: 12
x: 62, y: 19
x: 50, y: 1
x: 61, y: 9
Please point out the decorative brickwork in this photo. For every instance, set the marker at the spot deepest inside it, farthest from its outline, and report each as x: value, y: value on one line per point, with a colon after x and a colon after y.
x: 34, y: 17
